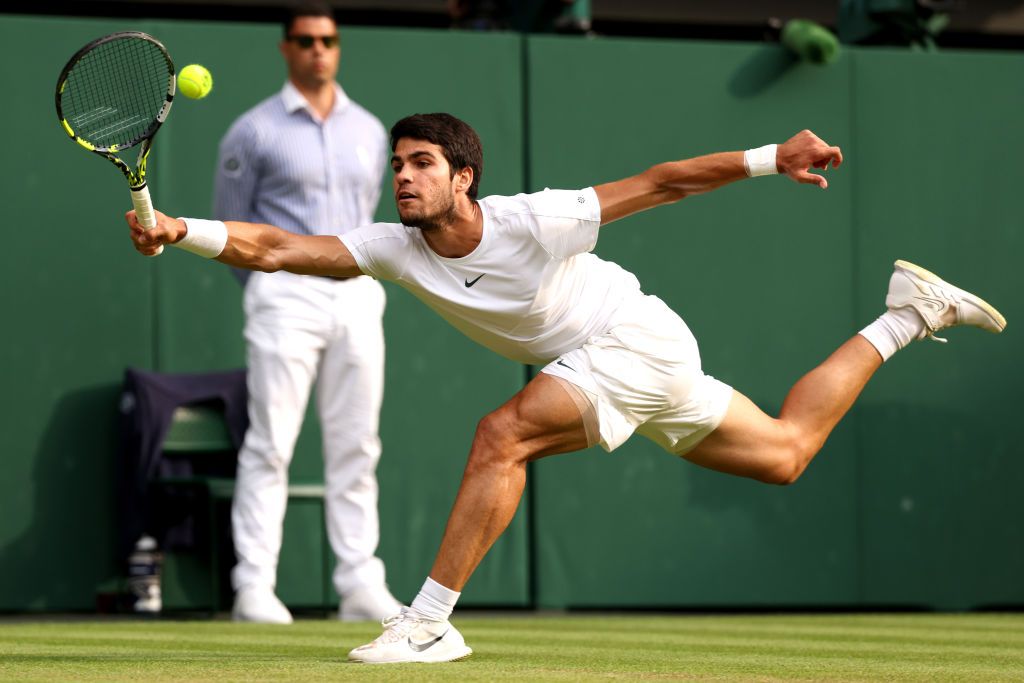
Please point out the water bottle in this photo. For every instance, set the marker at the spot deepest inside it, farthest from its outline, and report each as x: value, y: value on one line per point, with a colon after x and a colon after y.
x: 144, y: 576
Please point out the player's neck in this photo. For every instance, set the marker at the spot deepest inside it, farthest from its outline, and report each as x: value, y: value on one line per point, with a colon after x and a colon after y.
x: 461, y: 236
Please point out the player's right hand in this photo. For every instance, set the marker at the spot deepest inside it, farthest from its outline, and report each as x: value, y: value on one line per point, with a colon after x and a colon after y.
x: 147, y: 242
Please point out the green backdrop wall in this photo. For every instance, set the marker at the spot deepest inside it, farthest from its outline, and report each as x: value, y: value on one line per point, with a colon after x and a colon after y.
x: 913, y: 500
x: 766, y: 295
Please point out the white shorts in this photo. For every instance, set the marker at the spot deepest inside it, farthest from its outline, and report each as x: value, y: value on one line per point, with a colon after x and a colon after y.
x: 644, y: 376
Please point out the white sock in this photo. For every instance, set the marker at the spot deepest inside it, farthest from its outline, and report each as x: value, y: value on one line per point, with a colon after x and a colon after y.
x: 893, y: 330
x: 434, y: 601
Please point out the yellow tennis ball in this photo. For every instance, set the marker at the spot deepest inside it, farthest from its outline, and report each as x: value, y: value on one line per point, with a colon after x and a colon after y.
x: 195, y: 81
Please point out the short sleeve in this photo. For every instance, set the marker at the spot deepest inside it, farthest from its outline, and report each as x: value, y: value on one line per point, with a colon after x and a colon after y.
x: 237, y: 173
x: 381, y: 250
x: 565, y: 222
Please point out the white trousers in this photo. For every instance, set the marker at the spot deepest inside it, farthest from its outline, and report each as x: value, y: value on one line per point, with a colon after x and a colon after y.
x: 301, y: 329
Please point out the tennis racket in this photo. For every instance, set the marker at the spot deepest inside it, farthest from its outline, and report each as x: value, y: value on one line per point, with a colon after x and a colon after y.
x: 113, y: 94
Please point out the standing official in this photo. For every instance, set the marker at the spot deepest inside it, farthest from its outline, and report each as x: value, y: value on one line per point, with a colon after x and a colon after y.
x: 310, y: 160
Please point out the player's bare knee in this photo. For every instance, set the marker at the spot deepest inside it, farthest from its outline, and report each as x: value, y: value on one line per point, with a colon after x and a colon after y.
x: 492, y: 431
x: 494, y: 443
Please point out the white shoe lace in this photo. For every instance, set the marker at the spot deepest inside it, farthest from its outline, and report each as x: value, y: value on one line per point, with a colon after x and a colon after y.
x: 947, y: 300
x: 953, y: 303
x: 397, y: 627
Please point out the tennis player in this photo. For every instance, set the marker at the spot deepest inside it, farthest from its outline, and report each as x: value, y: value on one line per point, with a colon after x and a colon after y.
x: 516, y: 275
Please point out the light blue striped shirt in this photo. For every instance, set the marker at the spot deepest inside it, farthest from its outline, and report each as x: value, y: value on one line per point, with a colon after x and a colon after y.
x: 279, y: 163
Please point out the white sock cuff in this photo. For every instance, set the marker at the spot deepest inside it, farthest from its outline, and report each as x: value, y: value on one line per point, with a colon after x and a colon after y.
x: 436, y: 590
x: 894, y: 330
x: 434, y: 601
x: 879, y: 337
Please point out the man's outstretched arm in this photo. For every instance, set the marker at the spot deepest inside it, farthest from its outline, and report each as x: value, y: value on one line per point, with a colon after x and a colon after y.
x: 250, y: 245
x: 669, y: 182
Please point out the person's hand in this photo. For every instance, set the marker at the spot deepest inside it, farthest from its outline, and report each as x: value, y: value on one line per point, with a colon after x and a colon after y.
x: 805, y: 150
x: 167, y: 231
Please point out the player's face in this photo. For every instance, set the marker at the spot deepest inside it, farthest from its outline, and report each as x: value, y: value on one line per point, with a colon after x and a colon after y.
x: 422, y: 184
x: 316, y: 64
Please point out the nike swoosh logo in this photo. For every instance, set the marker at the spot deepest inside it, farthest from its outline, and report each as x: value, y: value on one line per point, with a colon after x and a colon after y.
x: 420, y: 647
x: 932, y: 303
x: 470, y: 283
x: 559, y: 362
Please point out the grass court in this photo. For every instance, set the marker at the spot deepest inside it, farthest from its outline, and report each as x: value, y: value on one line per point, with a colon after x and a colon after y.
x: 833, y: 647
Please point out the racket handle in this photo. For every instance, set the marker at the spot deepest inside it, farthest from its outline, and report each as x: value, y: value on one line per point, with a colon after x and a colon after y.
x: 144, y: 210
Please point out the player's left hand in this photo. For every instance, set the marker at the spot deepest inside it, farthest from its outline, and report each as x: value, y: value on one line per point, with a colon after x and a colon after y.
x: 805, y: 150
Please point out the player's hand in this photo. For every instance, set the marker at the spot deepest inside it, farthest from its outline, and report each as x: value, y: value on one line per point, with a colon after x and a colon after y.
x: 803, y: 151
x: 167, y: 231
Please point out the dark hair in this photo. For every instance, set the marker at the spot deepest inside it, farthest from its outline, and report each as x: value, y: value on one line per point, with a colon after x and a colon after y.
x: 305, y: 8
x: 458, y: 142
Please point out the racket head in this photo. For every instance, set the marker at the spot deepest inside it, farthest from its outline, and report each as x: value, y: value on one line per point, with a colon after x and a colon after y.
x: 116, y: 91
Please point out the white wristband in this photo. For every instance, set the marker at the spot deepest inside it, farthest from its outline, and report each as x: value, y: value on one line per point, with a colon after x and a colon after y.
x: 760, y: 161
x: 205, y: 238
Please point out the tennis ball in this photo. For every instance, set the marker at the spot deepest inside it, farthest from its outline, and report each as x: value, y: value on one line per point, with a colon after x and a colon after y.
x: 195, y: 81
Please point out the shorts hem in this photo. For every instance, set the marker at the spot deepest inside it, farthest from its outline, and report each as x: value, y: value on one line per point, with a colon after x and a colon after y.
x: 721, y: 402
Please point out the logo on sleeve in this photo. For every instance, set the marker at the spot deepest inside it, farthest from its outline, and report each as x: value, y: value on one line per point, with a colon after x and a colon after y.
x: 581, y: 199
x: 233, y: 166
x: 470, y: 283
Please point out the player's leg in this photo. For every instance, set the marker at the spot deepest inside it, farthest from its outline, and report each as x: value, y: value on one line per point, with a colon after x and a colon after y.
x: 349, y: 393
x: 282, y: 362
x: 543, y: 419
x: 750, y: 443
x: 540, y: 420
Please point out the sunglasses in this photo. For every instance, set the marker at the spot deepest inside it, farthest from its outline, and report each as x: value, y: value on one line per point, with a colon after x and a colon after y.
x: 306, y: 42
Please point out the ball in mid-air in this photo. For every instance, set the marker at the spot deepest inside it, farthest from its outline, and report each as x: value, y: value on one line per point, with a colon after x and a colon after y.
x: 195, y: 81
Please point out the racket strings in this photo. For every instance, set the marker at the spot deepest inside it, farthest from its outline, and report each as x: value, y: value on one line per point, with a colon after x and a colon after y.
x: 115, y: 92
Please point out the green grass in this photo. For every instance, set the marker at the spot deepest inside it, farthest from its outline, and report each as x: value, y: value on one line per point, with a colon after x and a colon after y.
x: 918, y: 647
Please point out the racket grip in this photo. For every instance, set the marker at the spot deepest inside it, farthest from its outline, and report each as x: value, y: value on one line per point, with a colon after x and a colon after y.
x: 143, y: 206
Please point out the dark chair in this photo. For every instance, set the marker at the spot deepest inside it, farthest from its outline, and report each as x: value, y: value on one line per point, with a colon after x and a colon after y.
x: 184, y: 432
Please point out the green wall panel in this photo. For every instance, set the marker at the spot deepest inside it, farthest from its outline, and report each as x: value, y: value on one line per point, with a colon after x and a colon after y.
x: 303, y: 572
x: 938, y: 137
x: 79, y: 309
x: 761, y: 272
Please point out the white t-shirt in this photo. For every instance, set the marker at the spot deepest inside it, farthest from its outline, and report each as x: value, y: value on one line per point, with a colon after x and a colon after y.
x: 530, y: 291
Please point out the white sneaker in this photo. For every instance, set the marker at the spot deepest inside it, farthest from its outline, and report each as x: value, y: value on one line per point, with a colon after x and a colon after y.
x: 259, y: 604
x: 408, y: 638
x: 369, y: 604
x: 940, y: 304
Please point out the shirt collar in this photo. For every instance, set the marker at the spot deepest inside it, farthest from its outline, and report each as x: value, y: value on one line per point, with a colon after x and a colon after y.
x: 294, y: 100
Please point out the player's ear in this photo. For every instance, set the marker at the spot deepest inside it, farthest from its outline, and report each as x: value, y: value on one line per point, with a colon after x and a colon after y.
x: 463, y: 179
